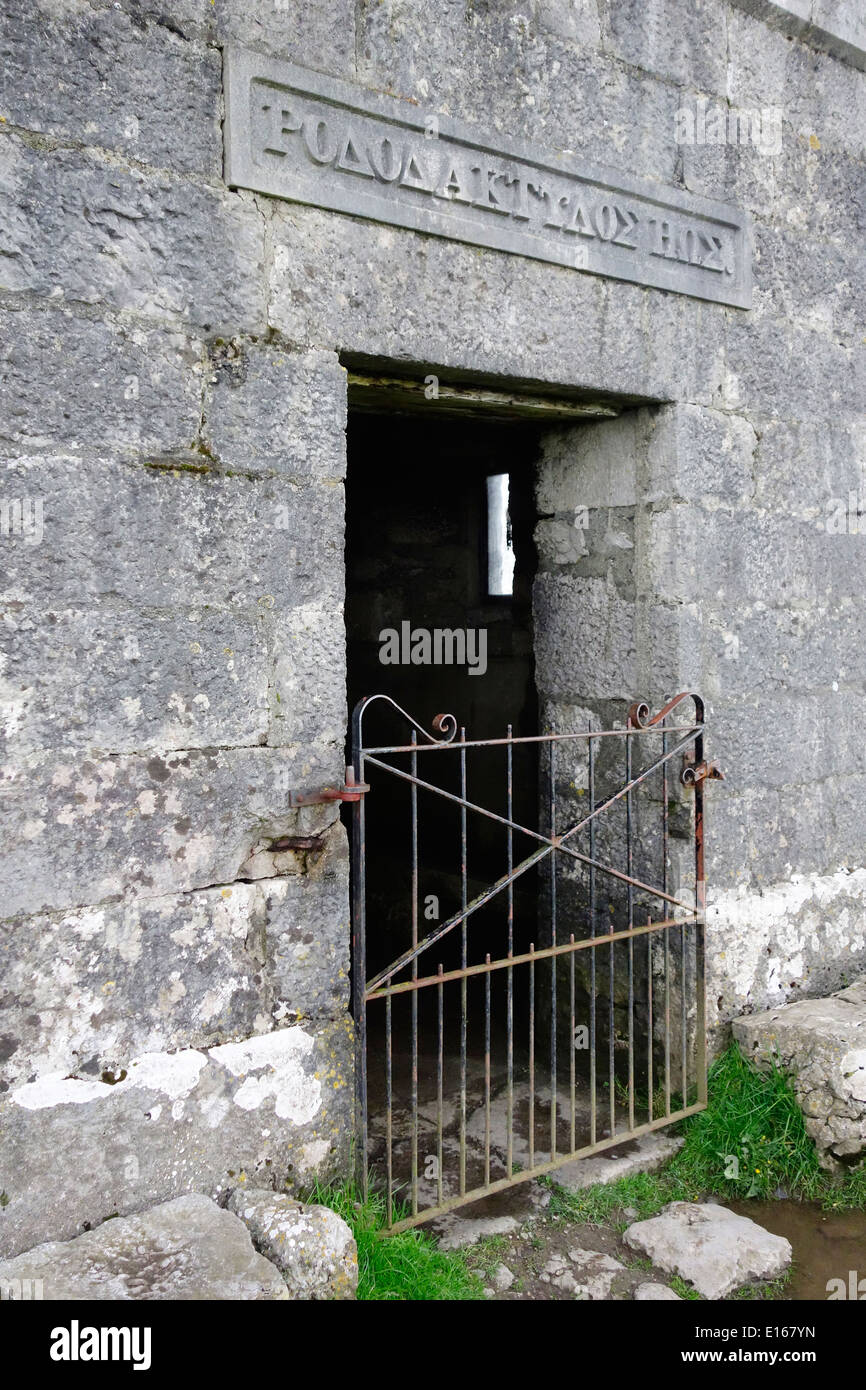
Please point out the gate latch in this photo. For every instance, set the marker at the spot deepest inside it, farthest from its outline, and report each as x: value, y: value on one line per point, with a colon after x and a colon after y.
x: 319, y: 796
x: 693, y: 773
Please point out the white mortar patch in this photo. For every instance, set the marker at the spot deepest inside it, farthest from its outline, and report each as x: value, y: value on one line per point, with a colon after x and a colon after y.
x: 811, y: 918
x: 278, y: 1056
x: 173, y: 1073
x: 59, y: 1089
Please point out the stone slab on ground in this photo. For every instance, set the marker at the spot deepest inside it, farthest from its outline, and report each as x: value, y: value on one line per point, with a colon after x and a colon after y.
x: 455, y: 1232
x: 188, y: 1249
x: 643, y: 1155
x: 312, y: 1246
x: 821, y: 1045
x: 713, y: 1248
x: 585, y: 1274
x: 655, y: 1293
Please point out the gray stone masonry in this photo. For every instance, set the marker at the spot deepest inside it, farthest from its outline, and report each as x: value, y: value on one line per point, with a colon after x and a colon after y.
x: 173, y: 395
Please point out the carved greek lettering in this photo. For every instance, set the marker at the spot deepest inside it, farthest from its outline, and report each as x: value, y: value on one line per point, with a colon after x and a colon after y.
x: 351, y: 160
x: 321, y: 144
x: 308, y: 138
x: 277, y: 122
x: 387, y: 165
x: 414, y: 176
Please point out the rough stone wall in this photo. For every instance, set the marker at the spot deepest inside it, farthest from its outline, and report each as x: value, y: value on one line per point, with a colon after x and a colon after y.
x: 172, y: 399
x: 173, y: 1006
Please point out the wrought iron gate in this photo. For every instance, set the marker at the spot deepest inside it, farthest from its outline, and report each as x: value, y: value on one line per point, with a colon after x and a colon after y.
x: 493, y: 1049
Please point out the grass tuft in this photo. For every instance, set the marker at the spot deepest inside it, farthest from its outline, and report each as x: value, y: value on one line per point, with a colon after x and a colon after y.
x: 750, y: 1142
x: 406, y: 1267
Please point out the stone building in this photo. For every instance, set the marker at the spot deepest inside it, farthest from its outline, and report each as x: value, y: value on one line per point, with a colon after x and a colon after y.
x: 283, y: 284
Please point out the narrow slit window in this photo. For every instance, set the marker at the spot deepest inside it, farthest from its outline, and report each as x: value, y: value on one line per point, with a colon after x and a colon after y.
x: 500, y: 550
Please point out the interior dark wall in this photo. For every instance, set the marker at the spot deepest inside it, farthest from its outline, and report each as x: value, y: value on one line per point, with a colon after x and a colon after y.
x: 415, y: 541
x: 416, y: 552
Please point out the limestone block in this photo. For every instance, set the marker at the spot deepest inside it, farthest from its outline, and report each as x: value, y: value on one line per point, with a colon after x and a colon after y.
x: 311, y: 1246
x: 186, y: 1249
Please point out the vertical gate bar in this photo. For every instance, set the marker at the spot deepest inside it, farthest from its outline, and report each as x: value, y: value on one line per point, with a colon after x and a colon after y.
x: 359, y: 961
x: 610, y: 1028
x: 630, y: 902
x: 649, y: 1009
x: 439, y: 1070
x: 684, y: 982
x: 592, y: 931
x: 389, y: 1102
x: 487, y: 1075
x: 667, y: 946
x: 700, y: 920
x: 463, y: 961
x: 553, y: 963
x: 531, y: 1056
x: 509, y: 1023
x: 571, y: 1050
x: 414, y: 792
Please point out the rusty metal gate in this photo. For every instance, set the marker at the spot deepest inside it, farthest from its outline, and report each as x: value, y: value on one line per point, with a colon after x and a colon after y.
x: 511, y: 1022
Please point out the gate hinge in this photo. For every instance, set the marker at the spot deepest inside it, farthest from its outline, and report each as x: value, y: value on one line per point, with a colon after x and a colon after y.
x: 319, y: 796
x: 693, y: 773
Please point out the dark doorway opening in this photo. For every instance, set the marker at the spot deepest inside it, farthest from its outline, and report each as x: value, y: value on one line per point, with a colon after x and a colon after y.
x: 424, y: 510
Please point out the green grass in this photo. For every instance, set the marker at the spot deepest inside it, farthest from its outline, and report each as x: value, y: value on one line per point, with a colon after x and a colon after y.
x: 405, y: 1267
x: 752, y: 1117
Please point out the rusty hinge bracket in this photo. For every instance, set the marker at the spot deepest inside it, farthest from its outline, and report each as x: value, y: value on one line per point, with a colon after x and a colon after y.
x: 320, y: 796
x: 693, y: 773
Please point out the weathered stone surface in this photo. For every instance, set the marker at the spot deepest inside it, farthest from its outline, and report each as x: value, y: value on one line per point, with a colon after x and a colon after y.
x: 186, y: 1249
x: 573, y: 614
x: 116, y: 678
x: 378, y: 292
x: 821, y: 1045
x: 555, y: 87
x: 84, y: 991
x: 153, y: 824
x: 273, y: 409
x: 321, y: 35
x: 82, y: 383
x: 835, y: 25
x: 797, y: 936
x: 711, y: 1247
x: 276, y: 1107
x: 687, y: 46
x: 585, y: 1274
x: 146, y: 90
x: 90, y: 231
x: 456, y: 1232
x: 646, y: 1154
x: 172, y: 533
x: 655, y: 1293
x: 311, y: 1246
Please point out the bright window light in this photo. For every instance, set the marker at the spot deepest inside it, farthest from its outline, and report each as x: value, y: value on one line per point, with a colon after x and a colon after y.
x: 500, y: 552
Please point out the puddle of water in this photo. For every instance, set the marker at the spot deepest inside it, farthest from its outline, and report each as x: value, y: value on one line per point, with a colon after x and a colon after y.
x: 826, y: 1244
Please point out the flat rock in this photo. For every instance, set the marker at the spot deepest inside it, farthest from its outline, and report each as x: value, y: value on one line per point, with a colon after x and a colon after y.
x: 710, y: 1246
x: 502, y: 1278
x: 455, y: 1232
x: 311, y: 1246
x: 585, y: 1274
x: 188, y: 1249
x: 655, y: 1293
x: 643, y: 1155
x: 820, y: 1044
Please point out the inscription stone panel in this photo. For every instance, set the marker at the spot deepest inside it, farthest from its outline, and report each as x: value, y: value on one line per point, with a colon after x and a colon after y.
x: 302, y: 136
